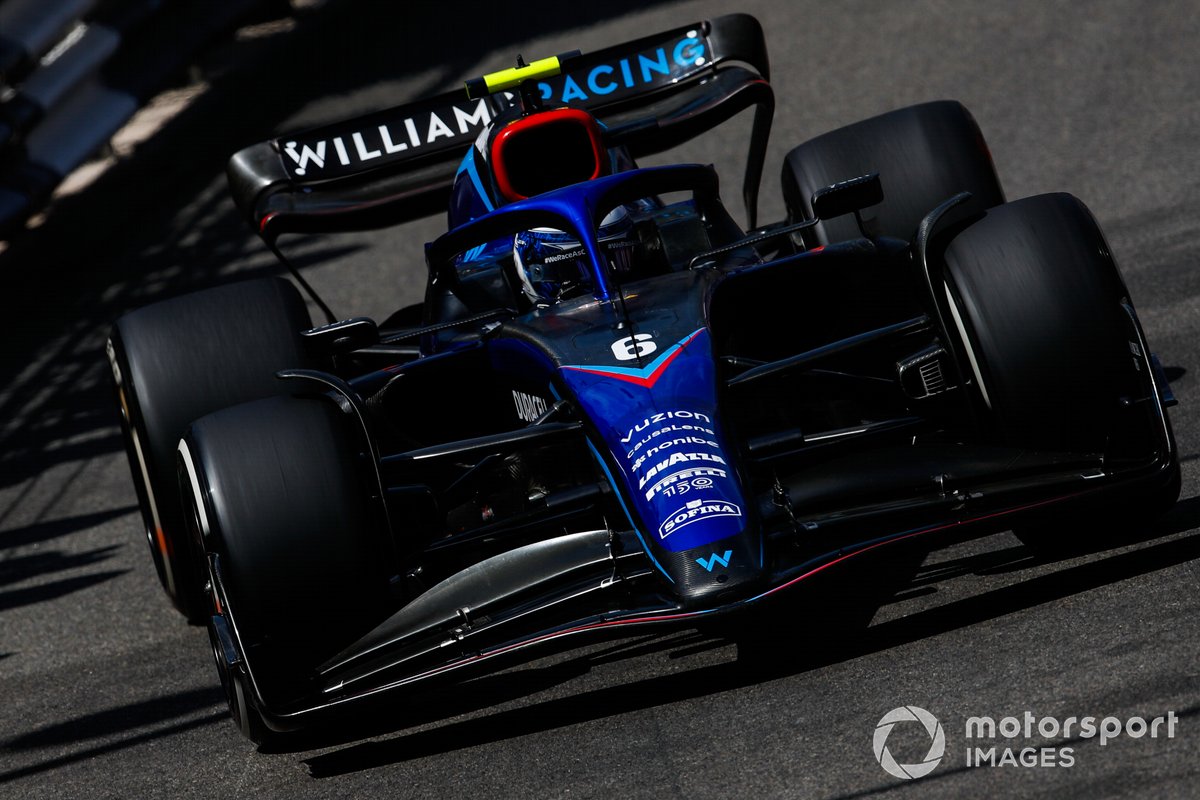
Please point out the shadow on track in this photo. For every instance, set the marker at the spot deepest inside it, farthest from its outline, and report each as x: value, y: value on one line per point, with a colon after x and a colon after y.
x: 14, y: 570
x: 124, y: 718
x: 15, y: 598
x: 45, y: 562
x: 114, y: 729
x: 41, y: 532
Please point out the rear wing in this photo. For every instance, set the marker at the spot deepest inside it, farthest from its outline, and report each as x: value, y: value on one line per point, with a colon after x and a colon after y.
x: 399, y: 164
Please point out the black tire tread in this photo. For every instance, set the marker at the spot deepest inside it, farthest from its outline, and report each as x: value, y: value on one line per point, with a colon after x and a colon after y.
x: 183, y: 358
x: 1041, y: 301
x: 924, y: 154
x: 300, y: 544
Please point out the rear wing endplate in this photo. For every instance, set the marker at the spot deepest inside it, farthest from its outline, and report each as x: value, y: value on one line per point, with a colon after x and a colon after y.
x: 399, y: 164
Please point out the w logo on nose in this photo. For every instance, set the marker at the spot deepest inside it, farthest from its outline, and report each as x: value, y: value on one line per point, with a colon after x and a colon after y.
x: 714, y: 559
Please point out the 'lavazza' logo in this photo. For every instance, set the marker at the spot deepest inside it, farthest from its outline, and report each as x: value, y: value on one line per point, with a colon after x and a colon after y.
x: 937, y: 745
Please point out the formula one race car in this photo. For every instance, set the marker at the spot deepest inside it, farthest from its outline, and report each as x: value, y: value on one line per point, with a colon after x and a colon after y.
x: 616, y: 407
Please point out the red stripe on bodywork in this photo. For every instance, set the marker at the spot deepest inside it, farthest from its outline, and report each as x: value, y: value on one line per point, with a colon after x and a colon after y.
x: 648, y: 381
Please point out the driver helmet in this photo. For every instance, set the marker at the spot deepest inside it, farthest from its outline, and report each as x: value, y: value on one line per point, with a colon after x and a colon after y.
x: 520, y: 155
x: 554, y: 265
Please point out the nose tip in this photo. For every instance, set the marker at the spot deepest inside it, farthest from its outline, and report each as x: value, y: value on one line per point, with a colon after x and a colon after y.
x: 722, y: 572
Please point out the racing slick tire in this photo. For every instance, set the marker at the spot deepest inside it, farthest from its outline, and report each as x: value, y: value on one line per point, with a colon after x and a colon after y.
x: 1038, y: 303
x: 924, y: 154
x: 176, y: 361
x: 278, y: 492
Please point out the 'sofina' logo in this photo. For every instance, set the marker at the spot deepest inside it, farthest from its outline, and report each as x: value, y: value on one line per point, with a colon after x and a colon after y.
x: 937, y: 746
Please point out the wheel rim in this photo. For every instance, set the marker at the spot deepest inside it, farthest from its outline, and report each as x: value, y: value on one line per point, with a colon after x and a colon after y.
x: 966, y: 343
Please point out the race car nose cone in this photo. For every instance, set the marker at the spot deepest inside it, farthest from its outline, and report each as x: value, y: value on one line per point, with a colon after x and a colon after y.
x: 724, y: 571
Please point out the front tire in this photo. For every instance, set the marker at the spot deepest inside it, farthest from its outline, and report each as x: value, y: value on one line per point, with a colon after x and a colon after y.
x: 282, y: 498
x: 1053, y: 352
x: 1037, y: 301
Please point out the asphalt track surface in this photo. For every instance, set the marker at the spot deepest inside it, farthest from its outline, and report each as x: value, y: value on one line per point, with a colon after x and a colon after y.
x: 107, y: 693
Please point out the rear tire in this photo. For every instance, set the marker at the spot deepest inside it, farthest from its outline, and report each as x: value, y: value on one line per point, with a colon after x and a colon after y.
x: 176, y: 361
x: 924, y: 155
x: 282, y: 498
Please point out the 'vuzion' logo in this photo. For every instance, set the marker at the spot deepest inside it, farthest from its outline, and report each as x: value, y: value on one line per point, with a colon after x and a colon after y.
x: 937, y: 744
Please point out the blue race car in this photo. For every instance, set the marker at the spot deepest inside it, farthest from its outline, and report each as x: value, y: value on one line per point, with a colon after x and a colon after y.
x: 616, y: 407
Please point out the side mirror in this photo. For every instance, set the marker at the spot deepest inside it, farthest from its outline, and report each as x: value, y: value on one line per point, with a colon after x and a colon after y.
x: 847, y: 197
